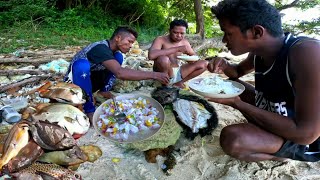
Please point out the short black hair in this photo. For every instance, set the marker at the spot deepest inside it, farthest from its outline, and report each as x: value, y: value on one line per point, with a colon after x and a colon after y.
x: 247, y: 13
x: 178, y: 22
x: 124, y: 29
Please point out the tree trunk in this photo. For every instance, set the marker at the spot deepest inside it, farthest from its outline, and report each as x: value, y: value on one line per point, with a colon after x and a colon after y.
x: 199, y: 18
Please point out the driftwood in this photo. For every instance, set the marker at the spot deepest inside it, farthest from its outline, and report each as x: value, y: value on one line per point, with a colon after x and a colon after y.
x: 209, y: 44
x: 34, y: 79
x: 35, y: 61
x: 22, y: 71
x: 46, y: 53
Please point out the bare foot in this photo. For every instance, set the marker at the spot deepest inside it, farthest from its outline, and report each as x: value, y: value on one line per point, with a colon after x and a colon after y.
x: 179, y: 85
x: 90, y: 116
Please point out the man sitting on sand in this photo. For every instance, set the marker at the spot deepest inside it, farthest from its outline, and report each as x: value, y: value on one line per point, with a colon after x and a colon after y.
x: 165, y: 49
x: 283, y: 108
x: 97, y: 65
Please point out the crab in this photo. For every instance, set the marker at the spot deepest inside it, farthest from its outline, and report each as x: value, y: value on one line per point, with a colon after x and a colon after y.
x: 63, y: 92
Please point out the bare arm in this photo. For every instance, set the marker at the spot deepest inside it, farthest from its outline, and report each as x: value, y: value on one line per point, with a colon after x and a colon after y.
x: 157, y: 50
x: 305, y: 128
x: 131, y: 74
x: 234, y: 71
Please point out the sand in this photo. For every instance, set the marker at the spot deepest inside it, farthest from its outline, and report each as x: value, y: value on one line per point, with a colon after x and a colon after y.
x: 199, y: 159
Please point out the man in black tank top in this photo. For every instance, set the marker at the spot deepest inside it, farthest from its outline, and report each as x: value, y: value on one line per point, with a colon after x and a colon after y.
x: 283, y: 108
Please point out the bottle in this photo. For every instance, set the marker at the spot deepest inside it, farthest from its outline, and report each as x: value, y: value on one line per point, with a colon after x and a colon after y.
x: 9, y: 114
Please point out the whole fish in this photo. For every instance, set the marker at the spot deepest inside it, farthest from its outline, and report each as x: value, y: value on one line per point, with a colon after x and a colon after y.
x: 17, y: 138
x: 27, y: 155
x: 192, y: 114
x: 47, y: 171
x: 68, y: 157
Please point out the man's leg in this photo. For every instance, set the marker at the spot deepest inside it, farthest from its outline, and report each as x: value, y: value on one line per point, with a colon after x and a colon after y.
x: 163, y: 64
x: 248, y: 142
x: 81, y: 77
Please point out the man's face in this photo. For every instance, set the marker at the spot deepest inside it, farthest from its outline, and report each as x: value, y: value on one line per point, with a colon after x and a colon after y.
x: 236, y: 41
x: 177, y: 33
x: 125, y: 41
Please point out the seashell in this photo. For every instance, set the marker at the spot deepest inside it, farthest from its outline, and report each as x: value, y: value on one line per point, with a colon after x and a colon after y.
x: 92, y: 152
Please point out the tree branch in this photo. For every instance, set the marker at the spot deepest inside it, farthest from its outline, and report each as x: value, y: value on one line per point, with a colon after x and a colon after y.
x: 293, y: 4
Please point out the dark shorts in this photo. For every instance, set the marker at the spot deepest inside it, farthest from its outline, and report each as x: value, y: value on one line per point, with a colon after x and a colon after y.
x: 300, y: 152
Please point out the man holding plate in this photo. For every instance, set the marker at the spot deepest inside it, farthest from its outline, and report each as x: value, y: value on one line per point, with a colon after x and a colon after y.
x: 283, y: 108
x: 165, y: 50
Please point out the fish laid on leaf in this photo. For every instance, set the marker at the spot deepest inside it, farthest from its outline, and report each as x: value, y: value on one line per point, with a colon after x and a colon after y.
x: 46, y: 171
x: 196, y: 113
x: 66, y: 116
x: 68, y: 157
x: 192, y: 114
x: 16, y: 139
x: 63, y: 92
x: 51, y: 136
x: 26, y: 156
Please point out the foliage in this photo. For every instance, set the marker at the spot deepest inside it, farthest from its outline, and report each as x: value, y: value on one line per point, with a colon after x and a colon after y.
x: 38, y: 23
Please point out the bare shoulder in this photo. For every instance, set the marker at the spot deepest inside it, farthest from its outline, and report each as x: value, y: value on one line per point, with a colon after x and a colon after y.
x: 305, y: 59
x: 307, y: 50
x: 158, y: 42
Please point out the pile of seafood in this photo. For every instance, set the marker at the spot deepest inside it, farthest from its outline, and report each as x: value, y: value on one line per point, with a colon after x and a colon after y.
x: 43, y: 144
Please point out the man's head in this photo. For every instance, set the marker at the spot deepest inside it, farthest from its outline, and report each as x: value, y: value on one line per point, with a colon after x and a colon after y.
x: 124, y: 37
x: 249, y: 17
x: 177, y: 30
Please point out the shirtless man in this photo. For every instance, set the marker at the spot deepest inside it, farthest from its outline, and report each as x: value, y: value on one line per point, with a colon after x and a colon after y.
x: 164, y: 52
x: 283, y: 108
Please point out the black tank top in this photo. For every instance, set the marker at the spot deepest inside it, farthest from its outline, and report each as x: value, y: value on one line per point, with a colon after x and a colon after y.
x: 273, y: 87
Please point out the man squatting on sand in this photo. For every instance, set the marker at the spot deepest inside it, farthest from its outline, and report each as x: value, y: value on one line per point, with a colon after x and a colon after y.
x: 97, y: 65
x: 165, y: 49
x: 283, y: 109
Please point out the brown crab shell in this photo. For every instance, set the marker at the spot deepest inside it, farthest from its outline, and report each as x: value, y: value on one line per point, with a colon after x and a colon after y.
x: 51, y: 136
x: 63, y: 92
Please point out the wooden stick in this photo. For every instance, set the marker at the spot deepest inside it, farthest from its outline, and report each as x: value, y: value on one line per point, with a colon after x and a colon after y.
x: 24, y: 82
x: 22, y: 71
x: 35, y: 60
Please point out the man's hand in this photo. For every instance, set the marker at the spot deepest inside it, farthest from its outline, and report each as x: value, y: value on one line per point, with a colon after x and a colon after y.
x: 185, y: 50
x: 162, y: 77
x: 217, y: 65
x: 226, y: 101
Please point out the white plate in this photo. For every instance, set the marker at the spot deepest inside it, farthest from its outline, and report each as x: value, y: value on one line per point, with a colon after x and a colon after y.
x: 141, y: 135
x: 189, y: 58
x: 195, y: 82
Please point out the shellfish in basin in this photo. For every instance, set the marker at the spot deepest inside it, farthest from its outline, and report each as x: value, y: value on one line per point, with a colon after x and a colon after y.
x: 66, y: 116
x: 63, y: 92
